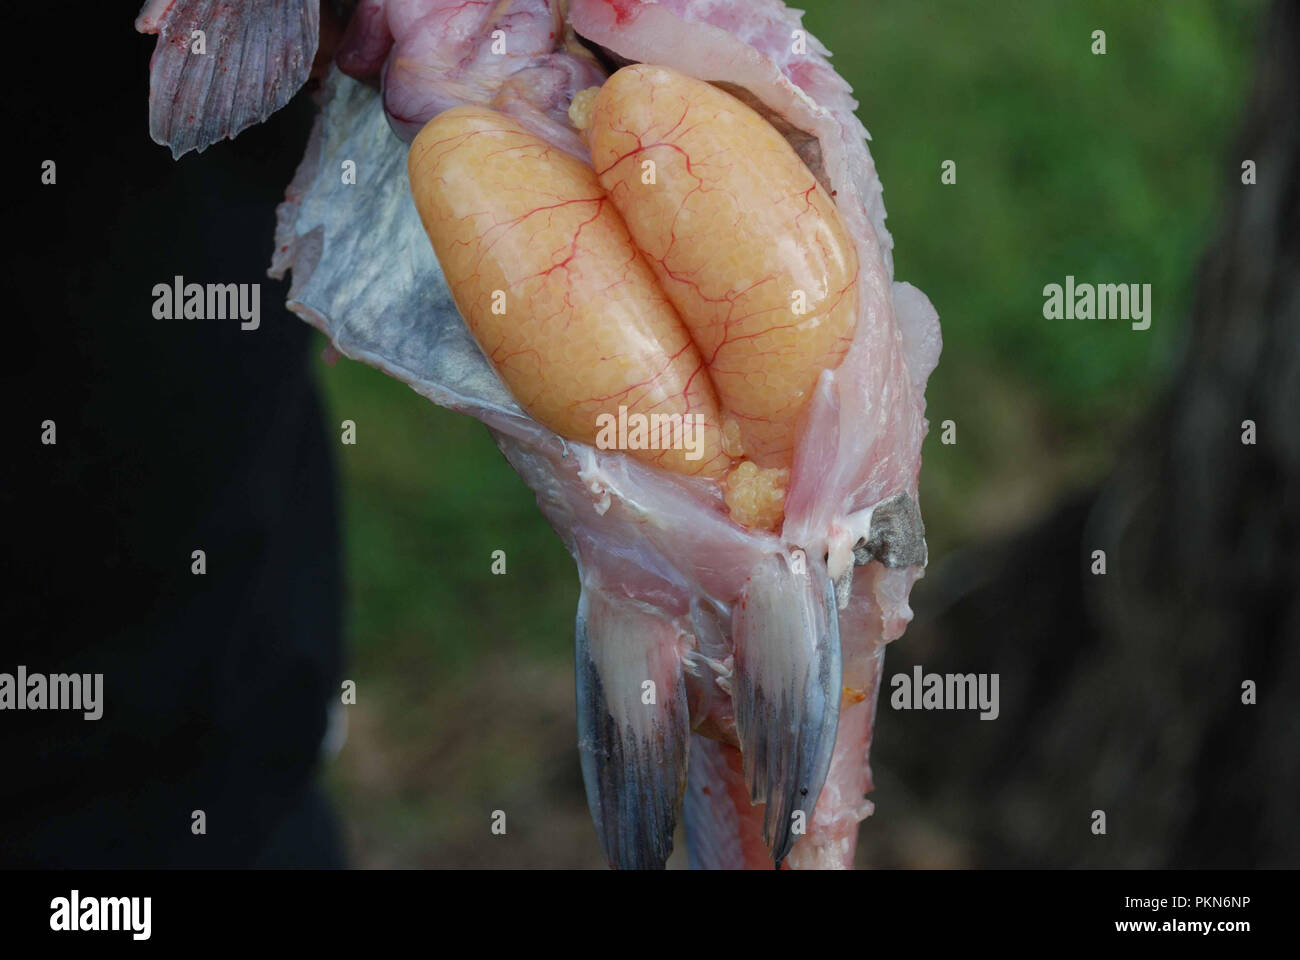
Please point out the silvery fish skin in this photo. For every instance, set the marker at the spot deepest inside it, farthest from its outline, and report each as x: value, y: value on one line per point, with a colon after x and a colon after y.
x: 765, y: 650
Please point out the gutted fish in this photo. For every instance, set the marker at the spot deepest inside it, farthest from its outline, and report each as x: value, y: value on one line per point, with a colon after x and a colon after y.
x: 569, y: 216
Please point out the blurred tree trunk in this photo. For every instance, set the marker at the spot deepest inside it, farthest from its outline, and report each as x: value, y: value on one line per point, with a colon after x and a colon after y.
x: 1123, y: 692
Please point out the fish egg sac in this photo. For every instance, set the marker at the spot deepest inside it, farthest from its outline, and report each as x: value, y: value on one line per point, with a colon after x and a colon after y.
x: 551, y: 286
x: 744, y: 241
x: 677, y: 298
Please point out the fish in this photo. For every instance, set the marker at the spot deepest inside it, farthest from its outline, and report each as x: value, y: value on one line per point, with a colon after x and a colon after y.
x: 727, y: 671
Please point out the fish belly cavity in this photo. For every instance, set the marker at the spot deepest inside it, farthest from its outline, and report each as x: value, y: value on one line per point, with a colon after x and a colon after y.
x: 677, y: 299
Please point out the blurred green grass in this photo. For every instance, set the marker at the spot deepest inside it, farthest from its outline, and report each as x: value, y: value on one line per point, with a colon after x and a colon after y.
x: 1109, y: 168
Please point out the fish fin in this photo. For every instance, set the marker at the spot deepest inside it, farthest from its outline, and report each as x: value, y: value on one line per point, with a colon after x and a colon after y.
x: 787, y: 689
x: 634, y: 754
x: 256, y: 57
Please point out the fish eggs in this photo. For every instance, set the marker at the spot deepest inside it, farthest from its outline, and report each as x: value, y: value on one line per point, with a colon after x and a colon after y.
x: 677, y: 298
